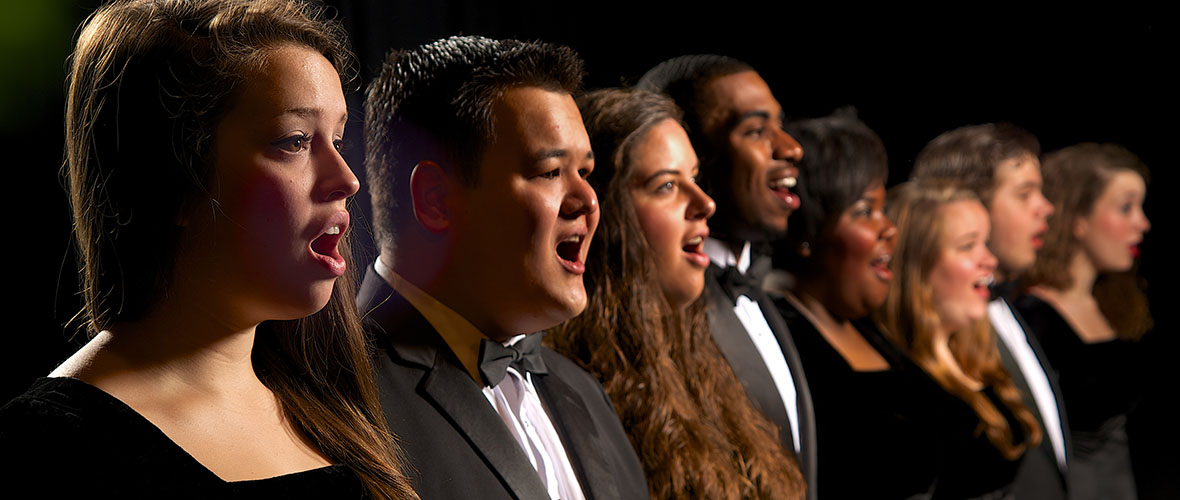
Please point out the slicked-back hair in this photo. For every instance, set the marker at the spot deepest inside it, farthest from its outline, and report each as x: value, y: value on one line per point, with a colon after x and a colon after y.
x: 971, y: 154
x: 698, y: 434
x: 684, y: 79
x: 435, y: 103
x: 844, y: 159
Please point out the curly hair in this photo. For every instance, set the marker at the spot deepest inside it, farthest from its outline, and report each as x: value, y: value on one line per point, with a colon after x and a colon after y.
x: 696, y: 432
x: 435, y: 102
x: 909, y: 318
x: 1074, y: 179
x: 149, y: 82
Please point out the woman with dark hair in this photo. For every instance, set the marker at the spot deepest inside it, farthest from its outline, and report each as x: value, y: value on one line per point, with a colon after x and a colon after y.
x: 1086, y: 305
x: 877, y: 414
x: 936, y: 312
x: 209, y: 201
x: 644, y: 333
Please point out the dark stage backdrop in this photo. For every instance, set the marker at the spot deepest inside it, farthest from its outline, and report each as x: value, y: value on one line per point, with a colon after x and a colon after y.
x: 1068, y: 77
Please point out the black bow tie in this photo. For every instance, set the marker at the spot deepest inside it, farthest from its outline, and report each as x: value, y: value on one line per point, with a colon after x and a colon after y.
x: 737, y: 284
x: 494, y: 358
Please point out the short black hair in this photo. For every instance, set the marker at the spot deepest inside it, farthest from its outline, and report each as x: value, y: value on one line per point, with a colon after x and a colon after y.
x: 435, y: 102
x: 684, y: 79
x: 844, y: 158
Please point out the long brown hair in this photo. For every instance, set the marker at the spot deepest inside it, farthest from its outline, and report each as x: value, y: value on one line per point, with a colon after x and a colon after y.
x: 148, y: 84
x: 1074, y: 179
x: 687, y: 415
x: 909, y: 318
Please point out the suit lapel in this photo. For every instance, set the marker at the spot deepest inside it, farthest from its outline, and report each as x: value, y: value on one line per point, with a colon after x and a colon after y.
x: 1051, y: 374
x: 579, y: 436
x: 411, y: 339
x: 743, y: 357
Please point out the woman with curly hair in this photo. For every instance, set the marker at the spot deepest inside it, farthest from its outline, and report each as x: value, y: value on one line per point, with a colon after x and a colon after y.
x: 936, y: 311
x: 226, y: 356
x: 1087, y: 306
x: 644, y: 333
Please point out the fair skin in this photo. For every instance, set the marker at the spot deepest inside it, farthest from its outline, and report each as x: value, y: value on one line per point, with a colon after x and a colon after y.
x: 1109, y: 235
x: 280, y: 184
x: 514, y: 246
x: 1019, y: 214
x: 959, y: 278
x: 672, y: 210
x: 742, y: 117
x: 853, y: 278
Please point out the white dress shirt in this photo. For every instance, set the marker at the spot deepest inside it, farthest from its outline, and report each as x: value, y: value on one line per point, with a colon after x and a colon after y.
x: 1013, y: 336
x: 515, y: 398
x: 750, y: 314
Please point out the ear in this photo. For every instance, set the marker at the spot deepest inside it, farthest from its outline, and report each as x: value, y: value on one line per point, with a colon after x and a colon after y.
x: 430, y: 192
x: 1080, y: 227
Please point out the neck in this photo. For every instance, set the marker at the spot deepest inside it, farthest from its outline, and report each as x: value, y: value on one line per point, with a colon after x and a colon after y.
x: 1082, y: 270
x: 822, y: 316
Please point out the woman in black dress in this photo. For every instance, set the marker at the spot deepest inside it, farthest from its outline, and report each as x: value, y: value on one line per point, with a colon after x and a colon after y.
x: 877, y: 414
x: 226, y: 357
x: 644, y: 333
x: 936, y: 311
x: 1087, y: 307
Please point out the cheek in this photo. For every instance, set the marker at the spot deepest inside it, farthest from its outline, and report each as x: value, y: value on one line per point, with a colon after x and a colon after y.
x: 661, y: 228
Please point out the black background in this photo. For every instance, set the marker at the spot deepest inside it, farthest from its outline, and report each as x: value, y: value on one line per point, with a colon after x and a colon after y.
x: 1067, y: 76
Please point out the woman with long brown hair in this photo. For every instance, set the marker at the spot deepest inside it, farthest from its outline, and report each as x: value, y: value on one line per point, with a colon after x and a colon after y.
x: 1087, y: 306
x: 644, y: 333
x: 226, y: 356
x: 936, y: 311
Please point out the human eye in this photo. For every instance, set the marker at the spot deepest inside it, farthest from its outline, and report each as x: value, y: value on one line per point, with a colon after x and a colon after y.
x: 552, y: 174
x: 584, y: 172
x: 666, y: 187
x: 293, y: 144
x: 338, y: 145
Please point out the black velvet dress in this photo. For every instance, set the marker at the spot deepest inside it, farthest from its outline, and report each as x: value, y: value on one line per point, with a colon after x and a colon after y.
x: 1100, y: 386
x: 894, y: 433
x: 64, y: 438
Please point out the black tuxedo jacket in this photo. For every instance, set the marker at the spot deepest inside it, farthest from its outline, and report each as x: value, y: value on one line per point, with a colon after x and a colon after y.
x: 1039, y: 476
x: 455, y: 442
x: 741, y: 353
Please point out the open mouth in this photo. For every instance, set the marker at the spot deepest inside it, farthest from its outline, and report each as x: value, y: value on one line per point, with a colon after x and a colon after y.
x: 695, y: 250
x: 981, y: 285
x: 880, y: 266
x: 569, y: 252
x: 325, y: 247
x: 781, y: 187
x: 1135, y: 251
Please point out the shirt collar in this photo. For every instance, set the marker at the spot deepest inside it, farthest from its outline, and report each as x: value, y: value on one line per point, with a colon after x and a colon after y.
x: 720, y: 254
x: 460, y: 335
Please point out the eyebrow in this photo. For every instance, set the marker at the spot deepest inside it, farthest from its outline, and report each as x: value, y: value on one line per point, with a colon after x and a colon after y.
x: 666, y: 171
x: 305, y: 112
x: 546, y: 154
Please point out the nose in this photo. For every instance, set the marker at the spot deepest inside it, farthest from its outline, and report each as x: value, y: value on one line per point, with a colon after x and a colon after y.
x: 580, y: 198
x: 336, y: 180
x: 1146, y: 225
x: 786, y: 147
x: 700, y: 205
x: 889, y: 231
x: 1046, y: 205
x: 989, y: 260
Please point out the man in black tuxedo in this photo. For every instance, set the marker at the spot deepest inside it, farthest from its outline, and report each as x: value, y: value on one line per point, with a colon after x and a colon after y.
x: 999, y: 162
x: 476, y: 159
x: 735, y: 125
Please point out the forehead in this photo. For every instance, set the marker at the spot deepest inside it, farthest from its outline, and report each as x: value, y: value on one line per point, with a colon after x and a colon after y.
x: 962, y: 217
x: 292, y: 78
x: 726, y: 99
x: 1018, y: 171
x: 534, y: 117
x: 1124, y: 182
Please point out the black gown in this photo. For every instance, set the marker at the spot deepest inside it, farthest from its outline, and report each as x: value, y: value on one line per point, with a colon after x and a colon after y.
x: 1100, y: 386
x: 894, y: 433
x: 64, y: 438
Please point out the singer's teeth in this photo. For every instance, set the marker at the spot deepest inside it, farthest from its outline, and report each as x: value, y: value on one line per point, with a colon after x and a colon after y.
x: 333, y: 230
x: 785, y: 182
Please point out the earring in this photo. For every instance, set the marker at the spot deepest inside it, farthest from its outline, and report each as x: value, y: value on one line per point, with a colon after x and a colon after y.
x: 805, y: 249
